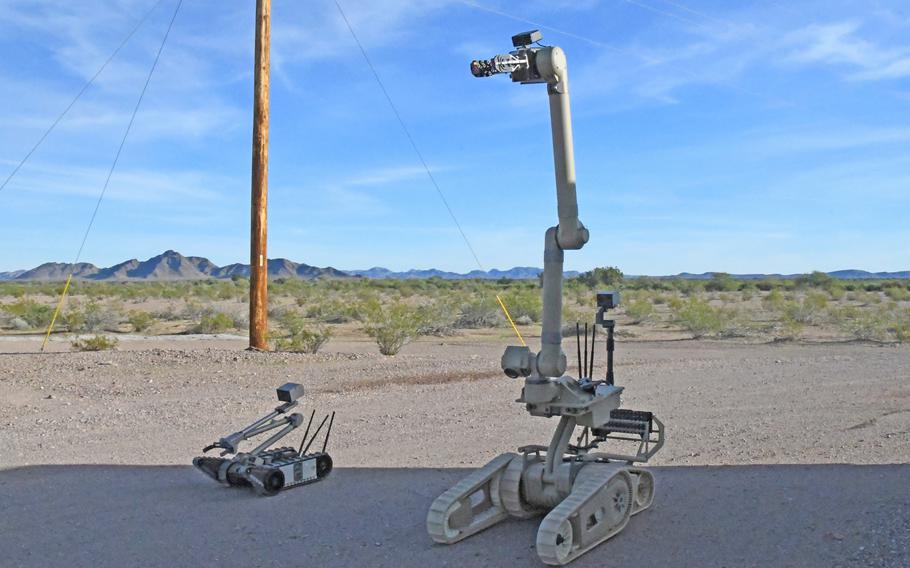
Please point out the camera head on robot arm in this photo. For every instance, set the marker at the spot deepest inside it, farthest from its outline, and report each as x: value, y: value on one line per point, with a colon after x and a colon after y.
x: 531, y: 62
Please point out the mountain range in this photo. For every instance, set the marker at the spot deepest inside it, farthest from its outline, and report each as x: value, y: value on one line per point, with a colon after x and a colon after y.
x: 171, y: 265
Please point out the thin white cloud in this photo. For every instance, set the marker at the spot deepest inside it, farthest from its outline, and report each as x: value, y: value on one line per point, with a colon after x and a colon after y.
x: 386, y: 176
x: 131, y: 185
x: 840, y: 44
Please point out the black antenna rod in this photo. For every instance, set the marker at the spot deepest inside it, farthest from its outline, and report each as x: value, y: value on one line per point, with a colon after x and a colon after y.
x: 593, y: 337
x: 325, y: 443
x: 307, y: 433
x: 316, y: 433
x: 611, y: 345
x: 586, y: 350
x: 578, y: 344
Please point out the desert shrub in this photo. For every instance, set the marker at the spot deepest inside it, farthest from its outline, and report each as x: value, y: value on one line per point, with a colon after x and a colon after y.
x: 639, y: 310
x: 241, y: 321
x: 721, y: 282
x: 702, y: 319
x: 335, y: 310
x: 193, y: 311
x: 898, y: 293
x: 774, y: 300
x: 902, y: 327
x: 73, y: 319
x: 816, y: 300
x: 305, y: 340
x: 816, y: 279
x: 214, y: 322
x: 437, y: 318
x: 807, y: 311
x: 837, y: 291
x: 863, y: 324
x: 95, y: 343
x: 789, y: 328
x: 524, y: 303
x: 675, y: 303
x: 301, y: 336
x: 570, y: 314
x: 392, y: 326
x: 97, y: 317
x: 480, y: 313
x: 140, y: 320
x: 604, y: 276
x: 167, y: 314
x: 35, y: 315
x: 225, y: 291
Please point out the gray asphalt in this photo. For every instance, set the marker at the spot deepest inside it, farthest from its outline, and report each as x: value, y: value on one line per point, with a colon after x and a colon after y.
x: 99, y: 515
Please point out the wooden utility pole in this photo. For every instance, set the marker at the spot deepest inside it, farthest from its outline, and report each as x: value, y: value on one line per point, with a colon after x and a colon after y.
x: 259, y: 269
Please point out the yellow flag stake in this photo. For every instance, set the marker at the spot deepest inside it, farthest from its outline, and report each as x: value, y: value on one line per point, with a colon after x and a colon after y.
x: 509, y: 317
x: 50, y: 328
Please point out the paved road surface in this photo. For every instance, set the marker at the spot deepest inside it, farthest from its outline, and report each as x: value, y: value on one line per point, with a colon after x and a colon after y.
x: 98, y: 515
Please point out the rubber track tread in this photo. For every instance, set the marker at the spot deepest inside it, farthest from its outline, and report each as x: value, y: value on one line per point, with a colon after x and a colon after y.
x: 580, y: 495
x: 437, y: 519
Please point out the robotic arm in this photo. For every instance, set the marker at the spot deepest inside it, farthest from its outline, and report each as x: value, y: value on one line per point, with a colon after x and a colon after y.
x: 530, y: 64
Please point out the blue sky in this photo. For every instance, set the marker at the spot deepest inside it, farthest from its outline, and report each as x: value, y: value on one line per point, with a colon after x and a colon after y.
x: 754, y: 136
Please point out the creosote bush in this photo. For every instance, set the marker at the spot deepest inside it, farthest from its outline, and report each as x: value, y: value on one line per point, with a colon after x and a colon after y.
x: 702, y: 319
x: 392, y: 325
x: 35, y: 315
x: 140, y: 320
x: 524, y: 303
x: 73, y: 320
x: 774, y: 301
x: 477, y: 314
x: 639, y: 310
x: 95, y: 343
x: 301, y: 337
x: 214, y: 322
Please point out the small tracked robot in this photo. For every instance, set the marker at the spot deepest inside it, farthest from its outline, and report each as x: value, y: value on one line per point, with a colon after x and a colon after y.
x: 268, y: 471
x: 584, y: 496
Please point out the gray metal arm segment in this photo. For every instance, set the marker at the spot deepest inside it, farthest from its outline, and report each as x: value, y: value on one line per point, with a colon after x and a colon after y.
x: 548, y: 65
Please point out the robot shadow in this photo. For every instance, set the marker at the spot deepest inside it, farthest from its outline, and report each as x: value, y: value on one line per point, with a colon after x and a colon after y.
x: 113, y: 515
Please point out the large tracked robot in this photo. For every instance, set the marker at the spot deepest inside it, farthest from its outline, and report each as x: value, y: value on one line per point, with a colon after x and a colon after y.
x: 586, y: 496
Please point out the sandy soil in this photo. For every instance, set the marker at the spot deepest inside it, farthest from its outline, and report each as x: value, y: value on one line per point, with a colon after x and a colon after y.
x: 408, y: 426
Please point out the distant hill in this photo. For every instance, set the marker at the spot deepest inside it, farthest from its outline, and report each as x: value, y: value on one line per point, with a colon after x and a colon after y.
x: 167, y: 266
x: 171, y: 265
x: 58, y: 271
x: 851, y: 274
x: 517, y: 273
x: 862, y: 274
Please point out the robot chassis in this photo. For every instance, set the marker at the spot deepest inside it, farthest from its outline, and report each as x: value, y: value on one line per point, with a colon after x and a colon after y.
x: 585, y: 495
x: 268, y: 471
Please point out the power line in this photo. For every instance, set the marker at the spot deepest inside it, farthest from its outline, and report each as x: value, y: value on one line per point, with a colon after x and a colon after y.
x: 664, y: 13
x: 410, y: 138
x: 701, y: 14
x: 110, y: 172
x: 567, y: 33
x: 638, y: 55
x: 129, y: 127
x: 79, y: 95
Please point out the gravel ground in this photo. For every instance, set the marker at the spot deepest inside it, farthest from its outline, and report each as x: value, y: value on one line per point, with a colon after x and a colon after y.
x: 407, y: 425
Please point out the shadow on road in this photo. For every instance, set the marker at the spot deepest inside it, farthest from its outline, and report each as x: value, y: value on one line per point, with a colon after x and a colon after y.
x: 106, y: 515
